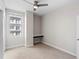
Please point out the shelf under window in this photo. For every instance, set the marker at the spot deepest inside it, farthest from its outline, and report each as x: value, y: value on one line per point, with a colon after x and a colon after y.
x: 15, y: 32
x: 15, y: 24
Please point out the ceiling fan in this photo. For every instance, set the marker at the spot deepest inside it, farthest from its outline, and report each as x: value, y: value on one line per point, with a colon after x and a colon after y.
x: 36, y: 4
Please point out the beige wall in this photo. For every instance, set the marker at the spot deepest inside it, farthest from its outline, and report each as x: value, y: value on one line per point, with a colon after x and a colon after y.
x: 37, y: 25
x: 58, y: 27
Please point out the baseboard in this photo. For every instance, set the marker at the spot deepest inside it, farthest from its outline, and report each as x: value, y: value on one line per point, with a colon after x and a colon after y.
x: 59, y: 48
x: 30, y: 45
x: 21, y: 45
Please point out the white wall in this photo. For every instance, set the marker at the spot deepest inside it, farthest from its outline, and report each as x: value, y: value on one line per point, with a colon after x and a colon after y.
x: 1, y: 34
x: 78, y: 49
x: 1, y: 27
x: 37, y: 25
x: 18, y: 40
x: 29, y: 28
x: 18, y: 5
x: 58, y: 27
x: 1, y: 4
x: 77, y: 36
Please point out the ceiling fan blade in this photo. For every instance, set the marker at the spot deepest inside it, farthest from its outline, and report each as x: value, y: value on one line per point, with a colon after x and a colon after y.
x: 28, y: 2
x: 40, y: 5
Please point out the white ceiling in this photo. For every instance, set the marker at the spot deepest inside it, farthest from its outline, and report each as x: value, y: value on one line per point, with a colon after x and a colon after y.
x: 52, y: 5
